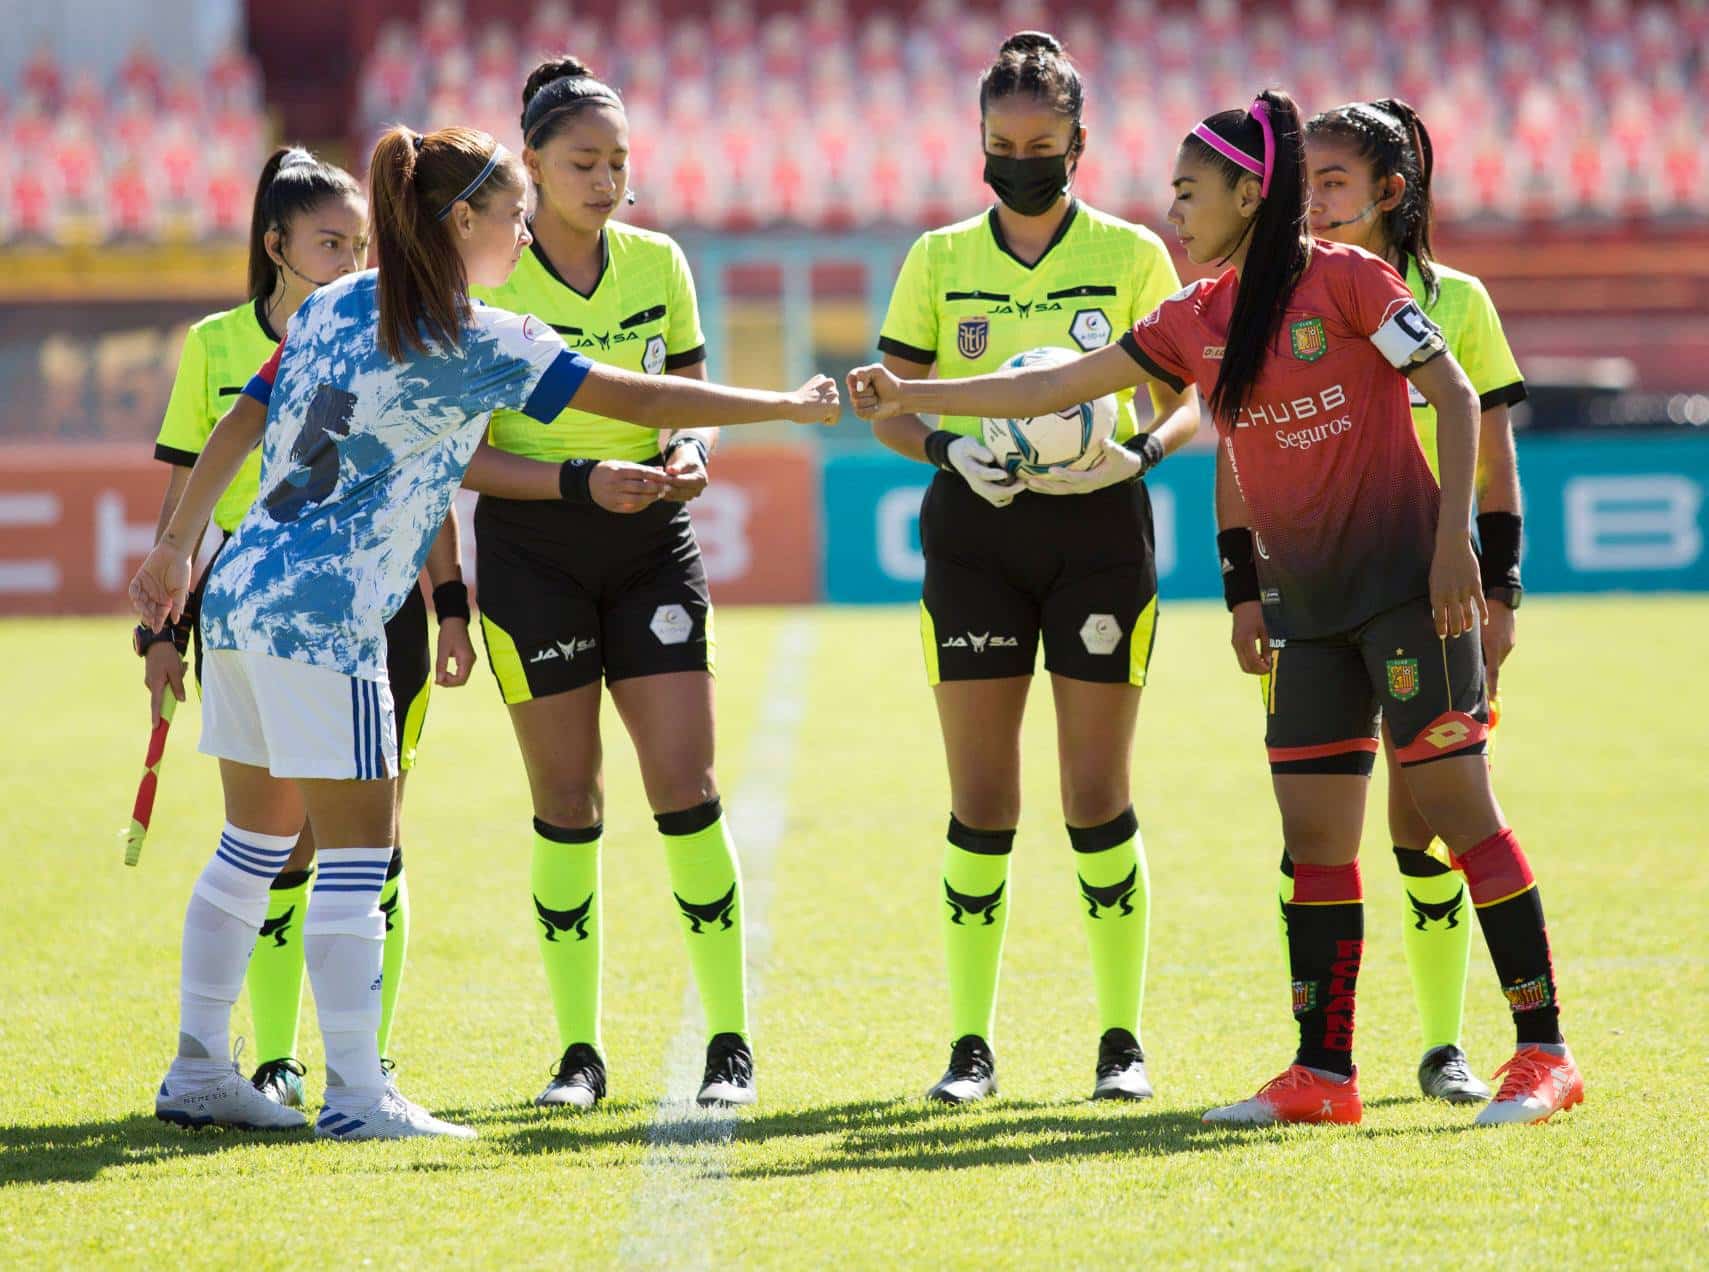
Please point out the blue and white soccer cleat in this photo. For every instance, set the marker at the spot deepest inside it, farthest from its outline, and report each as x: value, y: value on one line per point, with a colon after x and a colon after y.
x: 226, y: 1100
x: 390, y: 1117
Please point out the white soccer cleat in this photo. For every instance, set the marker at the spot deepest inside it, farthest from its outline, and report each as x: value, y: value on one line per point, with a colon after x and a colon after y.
x: 392, y: 1116
x: 226, y: 1100
x: 1121, y: 1068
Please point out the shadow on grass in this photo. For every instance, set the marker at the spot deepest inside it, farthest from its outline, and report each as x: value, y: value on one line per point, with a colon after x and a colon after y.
x: 79, y: 1151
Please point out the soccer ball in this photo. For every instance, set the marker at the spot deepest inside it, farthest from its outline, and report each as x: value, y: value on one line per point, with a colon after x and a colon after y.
x: 1073, y: 438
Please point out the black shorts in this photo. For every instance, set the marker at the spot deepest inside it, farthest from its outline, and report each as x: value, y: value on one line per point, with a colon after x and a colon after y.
x: 570, y: 591
x: 409, y: 666
x: 1324, y: 697
x: 1077, y: 569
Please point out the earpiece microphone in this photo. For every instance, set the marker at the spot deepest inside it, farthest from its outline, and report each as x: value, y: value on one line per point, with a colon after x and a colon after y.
x: 312, y: 282
x: 629, y: 197
x: 1336, y: 225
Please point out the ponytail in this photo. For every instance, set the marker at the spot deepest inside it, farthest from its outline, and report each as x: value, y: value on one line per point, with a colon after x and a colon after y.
x: 1262, y: 142
x: 1389, y: 134
x: 417, y: 180
x: 292, y: 181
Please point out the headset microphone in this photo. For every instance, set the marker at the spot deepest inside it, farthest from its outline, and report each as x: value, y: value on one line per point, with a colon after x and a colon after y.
x: 1336, y: 225
x: 629, y: 197
x: 312, y: 282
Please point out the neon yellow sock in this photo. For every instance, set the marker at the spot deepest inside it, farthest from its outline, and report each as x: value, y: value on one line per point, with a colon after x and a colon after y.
x: 706, y: 882
x: 975, y: 919
x: 394, y: 904
x: 565, y: 879
x: 1115, y: 886
x: 1437, y: 937
x: 276, y: 968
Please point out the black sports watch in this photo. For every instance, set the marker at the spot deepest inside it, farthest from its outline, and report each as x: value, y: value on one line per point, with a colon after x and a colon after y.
x: 1508, y: 596
x: 143, y: 638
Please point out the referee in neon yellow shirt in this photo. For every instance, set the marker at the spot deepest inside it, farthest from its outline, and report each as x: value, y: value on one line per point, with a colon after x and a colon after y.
x: 1058, y: 562
x: 1370, y: 165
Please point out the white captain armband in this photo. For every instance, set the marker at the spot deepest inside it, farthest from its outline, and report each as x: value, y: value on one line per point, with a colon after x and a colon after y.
x: 1407, y: 338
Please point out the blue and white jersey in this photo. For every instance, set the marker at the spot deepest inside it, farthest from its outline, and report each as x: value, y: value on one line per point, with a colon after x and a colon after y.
x: 360, y: 460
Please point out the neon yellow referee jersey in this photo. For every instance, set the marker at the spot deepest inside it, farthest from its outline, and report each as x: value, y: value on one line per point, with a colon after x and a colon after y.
x: 1473, y: 331
x: 221, y: 352
x: 965, y: 303
x: 641, y: 316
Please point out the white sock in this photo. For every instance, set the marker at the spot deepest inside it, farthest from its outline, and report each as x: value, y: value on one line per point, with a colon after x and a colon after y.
x: 343, y: 942
x: 227, y: 905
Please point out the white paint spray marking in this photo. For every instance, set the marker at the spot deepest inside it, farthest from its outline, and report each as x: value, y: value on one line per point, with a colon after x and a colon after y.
x: 674, y: 1213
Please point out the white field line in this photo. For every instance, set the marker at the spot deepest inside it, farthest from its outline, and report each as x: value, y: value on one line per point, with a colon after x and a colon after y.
x: 675, y: 1208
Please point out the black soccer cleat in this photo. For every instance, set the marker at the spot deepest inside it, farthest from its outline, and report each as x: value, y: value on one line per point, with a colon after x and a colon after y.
x: 281, y: 1081
x: 729, y: 1077
x: 578, y: 1082
x: 1121, y: 1068
x: 972, y: 1073
x: 1445, y: 1074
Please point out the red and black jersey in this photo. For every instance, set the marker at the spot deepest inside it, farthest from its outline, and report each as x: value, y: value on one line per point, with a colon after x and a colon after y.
x: 1342, y: 500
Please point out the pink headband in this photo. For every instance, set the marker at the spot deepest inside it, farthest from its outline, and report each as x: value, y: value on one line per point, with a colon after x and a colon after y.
x: 1260, y: 168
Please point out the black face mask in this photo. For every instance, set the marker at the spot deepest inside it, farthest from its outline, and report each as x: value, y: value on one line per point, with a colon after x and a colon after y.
x: 1027, y: 187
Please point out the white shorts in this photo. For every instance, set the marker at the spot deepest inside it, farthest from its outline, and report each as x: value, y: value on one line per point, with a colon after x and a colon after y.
x: 295, y: 720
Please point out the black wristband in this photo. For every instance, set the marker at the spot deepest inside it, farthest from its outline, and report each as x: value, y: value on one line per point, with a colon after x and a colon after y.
x: 573, y: 478
x: 688, y: 439
x: 1500, y: 536
x: 143, y: 639
x: 1148, y: 448
x: 937, y: 449
x: 451, y: 600
x: 1239, y: 566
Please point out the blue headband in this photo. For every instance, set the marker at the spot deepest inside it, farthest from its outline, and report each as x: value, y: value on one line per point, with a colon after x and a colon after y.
x: 493, y: 161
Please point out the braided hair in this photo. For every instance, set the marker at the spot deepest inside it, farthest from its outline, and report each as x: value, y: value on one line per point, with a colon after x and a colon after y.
x: 1390, y: 135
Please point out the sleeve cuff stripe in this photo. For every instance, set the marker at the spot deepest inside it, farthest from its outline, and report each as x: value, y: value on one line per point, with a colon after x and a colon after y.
x: 1149, y: 364
x: 172, y: 455
x: 888, y: 344
x: 687, y: 358
x: 1506, y: 395
x: 259, y: 389
x: 553, y: 391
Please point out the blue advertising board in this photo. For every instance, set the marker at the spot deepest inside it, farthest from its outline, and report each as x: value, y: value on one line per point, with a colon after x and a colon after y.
x: 1602, y: 514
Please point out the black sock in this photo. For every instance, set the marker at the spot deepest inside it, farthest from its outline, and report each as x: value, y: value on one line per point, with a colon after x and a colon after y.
x: 1326, y: 940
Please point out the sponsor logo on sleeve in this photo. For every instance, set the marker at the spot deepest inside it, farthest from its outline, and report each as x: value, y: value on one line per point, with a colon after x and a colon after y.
x: 653, y: 357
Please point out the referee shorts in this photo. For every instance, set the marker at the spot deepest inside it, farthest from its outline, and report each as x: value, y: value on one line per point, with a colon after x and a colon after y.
x: 1325, y: 697
x: 571, y: 592
x: 409, y: 673
x: 1078, y: 571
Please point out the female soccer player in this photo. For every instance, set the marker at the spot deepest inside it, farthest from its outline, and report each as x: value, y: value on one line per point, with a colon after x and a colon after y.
x: 308, y: 227
x: 573, y: 592
x: 1369, y: 168
x: 373, y: 405
x: 1007, y: 563
x: 1346, y: 567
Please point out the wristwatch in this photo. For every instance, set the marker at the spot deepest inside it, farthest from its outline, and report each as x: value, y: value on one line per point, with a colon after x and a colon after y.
x: 1508, y: 596
x: 142, y: 638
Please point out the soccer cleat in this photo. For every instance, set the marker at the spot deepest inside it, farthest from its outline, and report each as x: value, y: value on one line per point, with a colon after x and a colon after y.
x: 1121, y: 1068
x: 1297, y: 1094
x: 1443, y: 1074
x: 578, y: 1082
x: 390, y: 1117
x: 280, y: 1081
x: 225, y: 1100
x: 729, y: 1077
x: 1538, y: 1085
x: 972, y: 1073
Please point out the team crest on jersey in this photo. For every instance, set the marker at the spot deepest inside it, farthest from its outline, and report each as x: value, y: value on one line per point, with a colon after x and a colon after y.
x: 972, y: 335
x: 1403, y: 678
x: 1308, y: 340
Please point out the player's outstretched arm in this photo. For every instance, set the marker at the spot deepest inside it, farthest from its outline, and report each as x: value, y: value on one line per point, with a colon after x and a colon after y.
x: 878, y: 394
x: 669, y: 401
x: 1456, y: 587
x: 162, y: 584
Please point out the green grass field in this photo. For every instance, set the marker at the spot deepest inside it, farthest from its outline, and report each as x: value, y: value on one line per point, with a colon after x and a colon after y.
x: 1600, y: 764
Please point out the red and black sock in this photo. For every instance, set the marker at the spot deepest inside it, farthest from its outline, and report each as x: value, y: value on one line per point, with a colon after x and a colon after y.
x: 1510, y: 912
x: 1326, y: 940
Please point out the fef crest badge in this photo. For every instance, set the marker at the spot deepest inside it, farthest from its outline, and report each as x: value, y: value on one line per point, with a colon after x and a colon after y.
x: 1308, y: 341
x: 971, y: 337
x: 1403, y: 678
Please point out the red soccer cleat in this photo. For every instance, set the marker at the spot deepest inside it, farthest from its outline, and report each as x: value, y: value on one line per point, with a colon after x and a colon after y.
x: 1538, y: 1085
x: 1296, y: 1095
